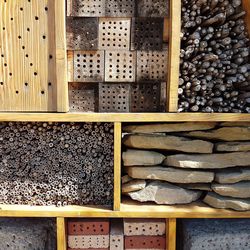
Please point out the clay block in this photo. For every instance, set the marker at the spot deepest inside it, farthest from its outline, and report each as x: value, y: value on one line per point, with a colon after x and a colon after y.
x: 121, y: 8
x: 153, y: 227
x: 88, y: 241
x: 147, y: 33
x: 88, y: 66
x: 149, y: 8
x: 120, y: 66
x: 86, y: 8
x: 116, y: 234
x: 83, y: 97
x: 89, y: 248
x: 88, y: 227
x: 145, y: 242
x: 82, y: 33
x: 114, y: 33
x: 114, y: 97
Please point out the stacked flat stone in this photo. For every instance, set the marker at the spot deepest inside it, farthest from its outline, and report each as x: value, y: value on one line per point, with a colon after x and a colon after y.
x: 178, y: 163
x: 144, y: 234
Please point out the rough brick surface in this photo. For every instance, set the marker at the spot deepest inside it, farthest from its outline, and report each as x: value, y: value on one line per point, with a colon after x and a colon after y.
x: 145, y: 242
x: 88, y: 241
x: 116, y: 235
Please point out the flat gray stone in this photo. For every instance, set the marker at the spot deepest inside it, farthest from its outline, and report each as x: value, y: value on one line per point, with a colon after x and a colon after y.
x: 224, y: 134
x: 235, y: 124
x: 218, y: 201
x: 165, y: 193
x: 197, y: 186
x: 169, y: 143
x: 170, y: 174
x: 237, y: 190
x: 233, y: 175
x: 232, y: 146
x: 133, y: 185
x: 169, y: 127
x: 141, y: 157
x: 214, y: 234
x: 208, y: 161
x: 126, y: 179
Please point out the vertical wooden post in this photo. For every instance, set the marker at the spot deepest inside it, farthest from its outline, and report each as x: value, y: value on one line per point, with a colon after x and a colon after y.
x: 174, y: 55
x: 117, y: 165
x: 171, y: 234
x: 61, y: 234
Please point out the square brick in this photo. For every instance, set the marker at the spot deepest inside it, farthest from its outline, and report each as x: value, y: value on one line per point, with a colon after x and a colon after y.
x: 120, y: 8
x: 145, y: 242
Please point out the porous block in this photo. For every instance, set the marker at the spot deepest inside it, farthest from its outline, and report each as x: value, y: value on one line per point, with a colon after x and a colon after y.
x: 116, y: 235
x: 145, y: 242
x: 121, y: 8
x: 149, y: 8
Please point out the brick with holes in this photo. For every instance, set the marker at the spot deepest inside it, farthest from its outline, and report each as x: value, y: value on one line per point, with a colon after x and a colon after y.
x: 152, y: 227
x: 120, y: 8
x: 156, y: 8
x: 88, y: 227
x: 82, y: 33
x: 145, y: 242
x: 86, y: 8
x: 116, y: 234
x: 88, y: 241
x: 88, y: 66
x: 147, y: 33
x: 114, y: 33
x: 114, y: 97
x: 120, y: 66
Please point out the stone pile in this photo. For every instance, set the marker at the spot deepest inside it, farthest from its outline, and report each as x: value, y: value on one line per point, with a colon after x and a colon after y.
x: 180, y: 163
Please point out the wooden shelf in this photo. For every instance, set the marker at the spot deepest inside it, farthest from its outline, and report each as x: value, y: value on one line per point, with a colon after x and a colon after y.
x: 124, y: 117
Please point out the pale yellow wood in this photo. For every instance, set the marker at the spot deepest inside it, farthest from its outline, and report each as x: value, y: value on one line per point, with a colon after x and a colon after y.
x: 61, y: 233
x: 246, y: 7
x: 174, y: 55
x: 61, y: 56
x: 70, y: 58
x: 171, y: 234
x: 166, y: 30
x: 117, y: 165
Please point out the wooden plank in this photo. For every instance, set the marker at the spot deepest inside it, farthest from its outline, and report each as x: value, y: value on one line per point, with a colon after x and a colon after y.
x: 174, y: 55
x: 171, y: 234
x: 61, y: 234
x: 125, y: 117
x: 70, y: 59
x: 166, y: 30
x: 117, y: 165
x: 246, y: 7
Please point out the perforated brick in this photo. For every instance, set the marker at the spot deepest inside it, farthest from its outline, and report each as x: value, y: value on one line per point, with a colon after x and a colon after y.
x: 120, y: 66
x: 82, y: 33
x: 88, y: 241
x: 152, y: 66
x: 116, y: 235
x: 120, y: 8
x: 146, y: 97
x: 88, y: 66
x: 114, y: 97
x: 114, y: 33
x: 156, y: 8
x: 86, y: 8
x: 153, y: 227
x: 147, y: 33
x: 145, y: 242
x: 88, y: 227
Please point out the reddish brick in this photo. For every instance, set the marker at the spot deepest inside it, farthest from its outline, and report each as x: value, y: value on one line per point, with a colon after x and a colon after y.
x: 145, y: 242
x: 88, y: 227
x: 88, y: 248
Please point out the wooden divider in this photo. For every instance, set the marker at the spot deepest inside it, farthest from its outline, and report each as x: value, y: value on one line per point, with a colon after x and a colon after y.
x: 61, y: 233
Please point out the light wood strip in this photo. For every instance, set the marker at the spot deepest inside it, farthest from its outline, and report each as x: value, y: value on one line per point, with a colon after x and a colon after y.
x: 117, y: 165
x: 171, y: 234
x: 61, y: 234
x: 174, y: 55
x: 70, y: 59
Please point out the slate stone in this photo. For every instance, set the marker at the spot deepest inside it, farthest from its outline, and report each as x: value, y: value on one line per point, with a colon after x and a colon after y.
x: 235, y: 124
x: 218, y: 201
x: 134, y: 185
x: 232, y: 146
x: 165, y: 193
x: 169, y: 127
x: 168, y: 143
x: 208, y: 161
x: 233, y: 175
x: 141, y: 157
x: 126, y: 179
x: 173, y: 175
x: 197, y: 186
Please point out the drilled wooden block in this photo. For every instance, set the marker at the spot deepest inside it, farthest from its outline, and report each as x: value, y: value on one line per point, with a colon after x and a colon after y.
x: 145, y: 242
x: 86, y: 8
x: 116, y: 234
x: 88, y: 227
x: 120, y: 66
x: 83, y: 97
x: 114, y: 33
x: 120, y: 8
x: 153, y: 227
x: 147, y: 33
x: 146, y: 97
x: 88, y: 66
x: 82, y: 33
x: 114, y: 97
x: 149, y: 8
x: 152, y: 66
x: 88, y: 241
